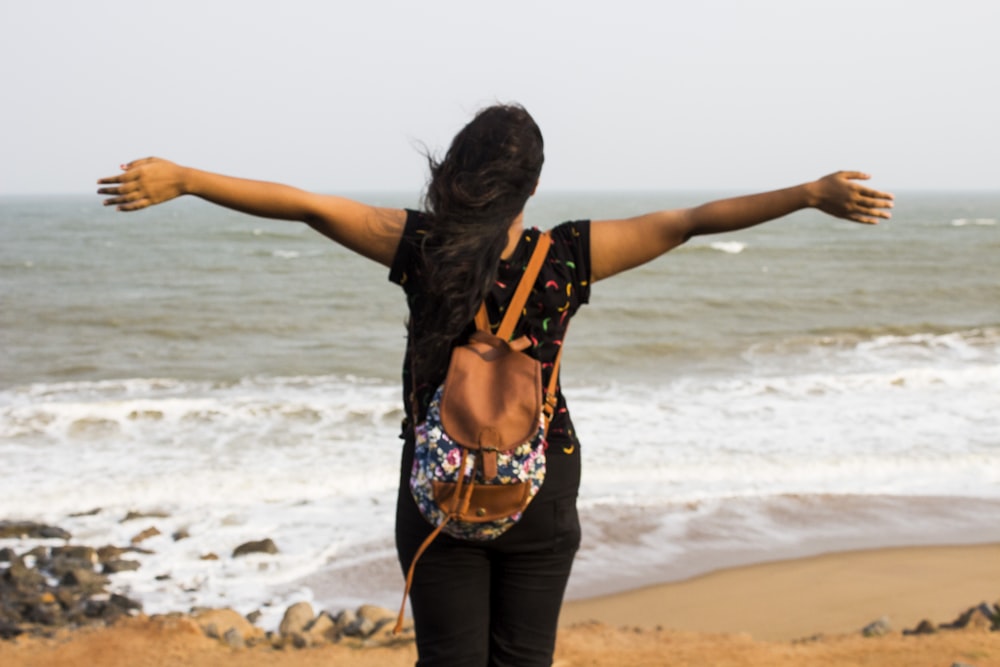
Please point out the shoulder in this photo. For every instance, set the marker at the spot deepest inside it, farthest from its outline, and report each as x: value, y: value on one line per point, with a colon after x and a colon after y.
x: 405, y: 261
x: 569, y: 255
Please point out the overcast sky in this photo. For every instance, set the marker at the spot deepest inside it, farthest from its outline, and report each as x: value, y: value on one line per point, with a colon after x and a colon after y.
x: 340, y: 96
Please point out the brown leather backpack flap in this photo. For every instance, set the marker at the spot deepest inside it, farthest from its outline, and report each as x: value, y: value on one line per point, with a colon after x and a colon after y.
x: 489, y: 501
x: 492, y: 395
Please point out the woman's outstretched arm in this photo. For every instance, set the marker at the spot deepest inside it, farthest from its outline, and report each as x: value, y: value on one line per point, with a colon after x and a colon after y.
x: 619, y: 245
x: 371, y: 231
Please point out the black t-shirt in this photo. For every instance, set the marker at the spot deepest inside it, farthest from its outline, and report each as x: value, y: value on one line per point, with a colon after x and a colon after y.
x: 562, y: 286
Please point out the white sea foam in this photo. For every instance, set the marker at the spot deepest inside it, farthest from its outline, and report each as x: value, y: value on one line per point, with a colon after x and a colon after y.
x: 729, y: 247
x: 982, y: 222
x: 696, y: 464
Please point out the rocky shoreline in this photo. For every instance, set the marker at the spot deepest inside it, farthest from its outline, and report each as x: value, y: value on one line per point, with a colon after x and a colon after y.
x: 51, y: 588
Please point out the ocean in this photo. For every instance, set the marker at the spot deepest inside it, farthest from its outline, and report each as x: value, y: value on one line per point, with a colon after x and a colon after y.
x: 806, y: 386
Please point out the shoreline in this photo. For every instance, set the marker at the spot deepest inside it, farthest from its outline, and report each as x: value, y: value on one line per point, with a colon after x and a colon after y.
x: 785, y: 613
x: 792, y: 598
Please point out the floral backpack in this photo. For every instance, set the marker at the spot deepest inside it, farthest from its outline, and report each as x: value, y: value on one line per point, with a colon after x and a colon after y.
x: 479, y: 457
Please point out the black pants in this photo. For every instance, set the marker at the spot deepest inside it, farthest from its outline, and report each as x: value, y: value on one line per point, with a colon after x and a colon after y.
x: 490, y: 604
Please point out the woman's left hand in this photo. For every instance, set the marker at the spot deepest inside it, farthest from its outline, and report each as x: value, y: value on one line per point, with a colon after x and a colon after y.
x: 839, y: 194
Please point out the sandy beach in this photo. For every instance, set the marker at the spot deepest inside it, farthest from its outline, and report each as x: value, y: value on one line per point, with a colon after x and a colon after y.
x: 807, y: 611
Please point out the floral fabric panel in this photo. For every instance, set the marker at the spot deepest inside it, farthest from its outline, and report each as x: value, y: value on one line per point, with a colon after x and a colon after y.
x: 438, y: 458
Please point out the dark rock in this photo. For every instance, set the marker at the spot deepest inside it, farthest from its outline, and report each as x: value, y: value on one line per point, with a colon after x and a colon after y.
x: 20, y: 576
x: 38, y: 591
x: 93, y: 512
x: 125, y: 603
x: 87, y: 580
x: 9, y: 630
x: 60, y: 566
x: 973, y: 618
x: 25, y: 529
x: 116, y: 566
x: 131, y: 516
x: 181, y: 534
x: 29, y: 529
x: 924, y: 627
x: 266, y: 546
x: 7, y: 555
x: 105, y: 610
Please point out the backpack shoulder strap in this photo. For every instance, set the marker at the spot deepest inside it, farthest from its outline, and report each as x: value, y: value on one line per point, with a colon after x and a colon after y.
x: 524, y: 286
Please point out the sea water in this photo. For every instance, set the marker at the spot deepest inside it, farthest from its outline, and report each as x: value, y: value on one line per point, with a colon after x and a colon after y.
x: 805, y: 386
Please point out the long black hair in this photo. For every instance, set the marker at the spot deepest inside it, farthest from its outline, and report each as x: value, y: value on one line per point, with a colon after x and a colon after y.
x: 474, y: 193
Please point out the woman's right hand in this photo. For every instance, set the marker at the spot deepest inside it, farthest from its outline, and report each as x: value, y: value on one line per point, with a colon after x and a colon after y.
x: 842, y: 196
x: 143, y: 183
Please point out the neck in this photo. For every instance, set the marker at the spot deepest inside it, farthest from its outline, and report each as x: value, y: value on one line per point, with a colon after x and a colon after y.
x: 513, y: 235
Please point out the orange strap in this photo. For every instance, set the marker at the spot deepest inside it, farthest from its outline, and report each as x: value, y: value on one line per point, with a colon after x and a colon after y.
x: 464, y: 499
x: 520, y: 297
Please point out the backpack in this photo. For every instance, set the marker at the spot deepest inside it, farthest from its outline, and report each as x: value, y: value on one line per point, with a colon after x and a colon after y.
x: 479, y: 456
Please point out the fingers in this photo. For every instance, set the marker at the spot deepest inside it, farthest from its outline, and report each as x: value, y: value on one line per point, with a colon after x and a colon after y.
x: 125, y: 191
x: 126, y: 196
x: 869, y: 210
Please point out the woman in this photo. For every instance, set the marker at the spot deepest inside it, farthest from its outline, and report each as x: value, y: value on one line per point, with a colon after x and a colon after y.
x: 489, y: 603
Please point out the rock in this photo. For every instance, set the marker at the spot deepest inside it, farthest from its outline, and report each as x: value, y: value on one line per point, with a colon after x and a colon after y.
x: 60, y: 565
x: 181, y: 534
x: 345, y: 619
x: 93, y: 512
x: 296, y: 618
x: 77, y: 596
x: 977, y: 621
x: 210, y: 556
x: 7, y: 555
x: 88, y: 581
x: 152, y: 531
x: 116, y: 566
x: 9, y: 630
x: 233, y: 639
x: 877, y: 628
x: 322, y: 629
x: 266, y: 546
x: 77, y: 553
x: 365, y: 622
x: 25, y: 529
x: 22, y: 577
x: 924, y: 627
x: 979, y: 618
x: 218, y: 623
x: 133, y: 515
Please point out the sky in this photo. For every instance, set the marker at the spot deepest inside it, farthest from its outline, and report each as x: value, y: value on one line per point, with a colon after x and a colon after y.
x: 344, y: 97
